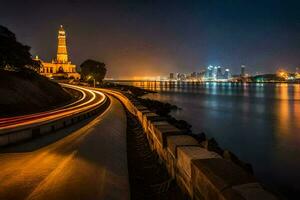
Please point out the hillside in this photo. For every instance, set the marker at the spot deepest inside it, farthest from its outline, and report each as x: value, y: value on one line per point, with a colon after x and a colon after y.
x: 27, y: 92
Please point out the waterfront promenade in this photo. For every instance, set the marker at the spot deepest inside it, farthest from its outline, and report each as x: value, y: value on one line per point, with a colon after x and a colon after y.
x: 90, y: 163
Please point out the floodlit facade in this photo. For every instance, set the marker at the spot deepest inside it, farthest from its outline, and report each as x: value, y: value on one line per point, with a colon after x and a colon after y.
x: 61, y: 67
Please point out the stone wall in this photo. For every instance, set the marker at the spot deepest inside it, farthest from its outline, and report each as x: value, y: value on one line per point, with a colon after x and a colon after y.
x: 201, y: 173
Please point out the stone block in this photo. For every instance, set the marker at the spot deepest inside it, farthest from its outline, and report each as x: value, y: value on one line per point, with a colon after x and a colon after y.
x: 254, y: 191
x: 180, y: 140
x: 151, y: 126
x: 162, y: 131
x: 212, y: 176
x: 185, y: 155
x: 146, y: 117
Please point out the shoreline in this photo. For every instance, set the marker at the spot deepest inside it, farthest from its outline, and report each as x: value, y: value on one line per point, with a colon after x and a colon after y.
x: 281, y: 190
x: 160, y: 134
x: 198, y: 82
x: 164, y: 109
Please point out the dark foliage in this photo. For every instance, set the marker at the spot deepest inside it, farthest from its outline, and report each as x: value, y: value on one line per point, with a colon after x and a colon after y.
x: 14, y: 54
x: 92, y: 68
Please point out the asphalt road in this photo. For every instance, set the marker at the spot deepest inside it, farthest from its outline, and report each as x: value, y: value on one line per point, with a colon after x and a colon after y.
x: 88, y: 164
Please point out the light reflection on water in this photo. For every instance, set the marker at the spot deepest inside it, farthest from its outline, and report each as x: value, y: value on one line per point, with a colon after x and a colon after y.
x: 259, y: 122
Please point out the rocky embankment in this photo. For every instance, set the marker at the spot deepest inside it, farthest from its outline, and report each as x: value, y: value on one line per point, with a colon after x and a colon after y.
x: 164, y: 110
x: 201, y: 168
x: 27, y: 92
x: 149, y: 178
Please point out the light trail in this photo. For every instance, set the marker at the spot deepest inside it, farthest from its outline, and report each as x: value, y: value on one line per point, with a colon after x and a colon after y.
x: 90, y: 99
x: 12, y: 119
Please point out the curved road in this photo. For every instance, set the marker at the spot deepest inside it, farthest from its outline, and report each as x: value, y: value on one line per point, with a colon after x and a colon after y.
x: 90, y: 163
x: 89, y: 100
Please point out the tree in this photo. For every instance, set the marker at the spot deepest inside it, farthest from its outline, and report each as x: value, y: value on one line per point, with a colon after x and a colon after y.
x: 14, y: 54
x: 93, y: 69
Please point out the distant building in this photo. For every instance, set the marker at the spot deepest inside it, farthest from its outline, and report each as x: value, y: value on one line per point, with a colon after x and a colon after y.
x: 219, y: 73
x: 61, y: 67
x: 209, y: 73
x: 216, y: 74
x: 227, y: 74
x: 201, y: 75
x: 243, y: 71
x: 171, y: 76
x: 181, y: 77
x: 194, y: 75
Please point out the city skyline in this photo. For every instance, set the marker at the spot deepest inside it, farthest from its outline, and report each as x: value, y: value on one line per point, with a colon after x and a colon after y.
x: 149, y: 38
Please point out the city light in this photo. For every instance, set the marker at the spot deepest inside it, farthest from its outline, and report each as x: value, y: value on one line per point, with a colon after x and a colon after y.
x: 282, y: 74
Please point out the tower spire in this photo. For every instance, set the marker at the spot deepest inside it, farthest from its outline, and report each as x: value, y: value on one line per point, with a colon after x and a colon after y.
x: 62, y: 54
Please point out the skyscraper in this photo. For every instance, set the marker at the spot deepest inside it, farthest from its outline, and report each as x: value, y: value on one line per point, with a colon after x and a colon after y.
x: 227, y: 74
x: 214, y: 73
x: 219, y: 73
x: 209, y: 73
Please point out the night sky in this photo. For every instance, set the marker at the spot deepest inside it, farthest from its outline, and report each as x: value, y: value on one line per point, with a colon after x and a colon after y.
x: 150, y: 38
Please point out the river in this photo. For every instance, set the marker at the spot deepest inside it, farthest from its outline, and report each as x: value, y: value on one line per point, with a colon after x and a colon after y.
x: 259, y: 122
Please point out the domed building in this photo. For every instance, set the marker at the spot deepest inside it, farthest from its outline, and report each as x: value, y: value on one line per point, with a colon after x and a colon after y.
x: 61, y: 67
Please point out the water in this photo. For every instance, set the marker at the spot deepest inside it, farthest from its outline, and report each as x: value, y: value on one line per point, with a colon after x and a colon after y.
x: 260, y: 123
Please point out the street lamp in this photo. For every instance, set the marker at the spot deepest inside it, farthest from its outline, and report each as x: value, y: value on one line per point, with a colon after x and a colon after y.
x: 89, y: 77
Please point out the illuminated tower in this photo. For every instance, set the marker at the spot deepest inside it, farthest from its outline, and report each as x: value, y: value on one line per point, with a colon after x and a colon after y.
x: 62, y: 54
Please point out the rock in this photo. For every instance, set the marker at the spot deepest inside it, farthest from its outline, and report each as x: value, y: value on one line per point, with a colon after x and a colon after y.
x: 200, y: 137
x: 181, y: 124
x: 212, y: 145
x: 228, y: 155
